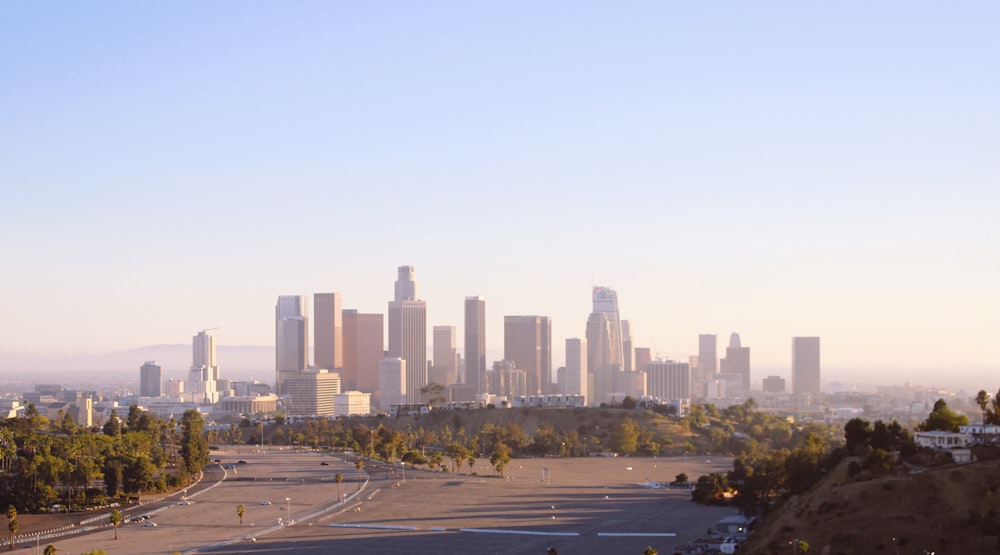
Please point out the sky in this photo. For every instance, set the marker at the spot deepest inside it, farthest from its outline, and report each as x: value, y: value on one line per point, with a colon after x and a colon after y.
x: 776, y: 169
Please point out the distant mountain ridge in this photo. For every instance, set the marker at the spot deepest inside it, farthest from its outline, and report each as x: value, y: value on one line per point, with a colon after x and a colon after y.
x: 235, y: 362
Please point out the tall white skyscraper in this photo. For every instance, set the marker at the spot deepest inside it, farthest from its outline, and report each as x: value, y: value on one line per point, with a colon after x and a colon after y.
x: 604, y: 346
x: 328, y: 331
x: 392, y: 382
x: 408, y: 333
x: 575, y: 377
x: 606, y: 302
x: 445, y: 369
x: 291, y: 338
x: 204, y: 373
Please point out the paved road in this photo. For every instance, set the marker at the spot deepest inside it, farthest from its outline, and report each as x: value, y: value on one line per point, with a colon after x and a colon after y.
x: 575, y: 505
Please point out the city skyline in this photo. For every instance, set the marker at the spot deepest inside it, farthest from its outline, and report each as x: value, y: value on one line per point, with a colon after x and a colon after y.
x: 782, y: 171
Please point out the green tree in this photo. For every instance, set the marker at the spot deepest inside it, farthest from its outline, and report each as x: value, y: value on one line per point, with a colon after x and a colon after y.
x: 132, y: 422
x: 338, y: 477
x: 50, y: 550
x: 649, y: 551
x: 857, y: 435
x: 116, y: 520
x: 625, y: 437
x: 434, y: 394
x: 500, y: 457
x: 194, y: 447
x: 113, y: 427
x: 136, y: 475
x: 112, y: 476
x: 457, y: 453
x: 943, y: 418
x: 241, y: 510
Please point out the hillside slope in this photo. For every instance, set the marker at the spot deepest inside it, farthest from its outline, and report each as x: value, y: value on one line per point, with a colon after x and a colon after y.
x: 953, y: 509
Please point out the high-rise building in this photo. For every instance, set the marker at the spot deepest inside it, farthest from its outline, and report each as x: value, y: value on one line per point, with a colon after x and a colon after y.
x: 605, y: 359
x: 475, y: 343
x: 643, y: 355
x: 805, y: 365
x: 364, y: 348
x: 627, y: 346
x: 150, y: 379
x: 311, y: 392
x: 574, y: 380
x: 668, y: 379
x: 392, y: 382
x: 408, y: 333
x: 204, y: 374
x: 605, y: 301
x: 291, y: 345
x: 406, y: 287
x: 352, y: 402
x: 328, y: 331
x: 445, y: 368
x: 774, y: 384
x: 737, y: 362
x: 707, y: 360
x: 527, y: 342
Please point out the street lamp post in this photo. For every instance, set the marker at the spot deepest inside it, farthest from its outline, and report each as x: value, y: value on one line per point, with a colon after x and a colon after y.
x: 252, y: 538
x: 288, y: 510
x: 403, y: 465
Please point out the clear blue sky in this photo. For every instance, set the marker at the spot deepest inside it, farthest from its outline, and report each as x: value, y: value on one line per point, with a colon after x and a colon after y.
x: 774, y: 169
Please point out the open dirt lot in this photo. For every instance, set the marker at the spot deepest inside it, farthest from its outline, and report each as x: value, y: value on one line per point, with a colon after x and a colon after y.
x: 593, y: 505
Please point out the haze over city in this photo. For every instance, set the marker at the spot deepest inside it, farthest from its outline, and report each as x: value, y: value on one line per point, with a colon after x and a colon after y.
x: 777, y: 171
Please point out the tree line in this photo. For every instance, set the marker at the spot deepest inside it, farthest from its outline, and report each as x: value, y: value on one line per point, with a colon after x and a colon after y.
x: 47, y: 465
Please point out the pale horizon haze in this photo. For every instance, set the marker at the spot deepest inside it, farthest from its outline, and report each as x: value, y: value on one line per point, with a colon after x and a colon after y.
x: 773, y: 169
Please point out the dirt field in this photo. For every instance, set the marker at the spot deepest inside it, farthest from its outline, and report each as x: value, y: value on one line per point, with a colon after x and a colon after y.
x: 594, y: 505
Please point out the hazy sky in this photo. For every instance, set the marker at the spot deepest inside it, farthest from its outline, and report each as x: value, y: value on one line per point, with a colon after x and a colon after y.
x: 770, y: 168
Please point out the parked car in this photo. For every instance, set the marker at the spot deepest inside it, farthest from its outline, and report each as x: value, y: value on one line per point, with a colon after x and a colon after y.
x: 324, y: 463
x: 265, y: 502
x: 149, y: 523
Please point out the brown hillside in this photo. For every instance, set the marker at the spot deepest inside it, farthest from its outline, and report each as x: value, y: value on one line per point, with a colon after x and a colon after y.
x: 927, y: 511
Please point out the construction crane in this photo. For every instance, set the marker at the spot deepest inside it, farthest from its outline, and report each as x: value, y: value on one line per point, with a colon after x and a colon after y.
x: 210, y: 329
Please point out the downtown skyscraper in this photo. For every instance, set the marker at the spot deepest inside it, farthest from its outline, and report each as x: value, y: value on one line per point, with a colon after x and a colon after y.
x: 527, y: 342
x: 291, y: 347
x: 446, y: 358
x: 364, y: 348
x: 150, y: 379
x: 328, y: 331
x: 475, y: 343
x: 604, y: 345
x: 805, y: 366
x: 408, y: 332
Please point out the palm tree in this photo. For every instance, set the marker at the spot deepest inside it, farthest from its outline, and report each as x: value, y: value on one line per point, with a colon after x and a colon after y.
x: 338, y: 477
x: 116, y: 520
x: 983, y: 400
x: 12, y: 523
x: 12, y: 526
x: 50, y: 550
x: 241, y: 510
